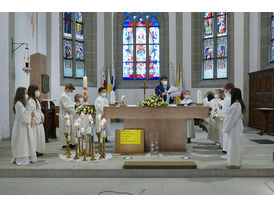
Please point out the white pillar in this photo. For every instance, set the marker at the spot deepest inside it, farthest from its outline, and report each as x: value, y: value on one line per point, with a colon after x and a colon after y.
x: 100, y: 47
x: 255, y: 41
x: 172, y: 47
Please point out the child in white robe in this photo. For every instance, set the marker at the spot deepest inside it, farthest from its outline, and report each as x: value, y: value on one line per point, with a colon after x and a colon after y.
x: 233, y: 126
x: 213, y: 134
x: 190, y: 122
x: 22, y: 138
x: 37, y: 126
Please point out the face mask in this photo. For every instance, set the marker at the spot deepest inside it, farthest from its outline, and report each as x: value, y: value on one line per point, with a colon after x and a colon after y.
x: 104, y: 95
x: 81, y: 100
x: 216, y: 96
x: 187, y: 96
x: 37, y: 94
x: 164, y: 83
x: 26, y: 96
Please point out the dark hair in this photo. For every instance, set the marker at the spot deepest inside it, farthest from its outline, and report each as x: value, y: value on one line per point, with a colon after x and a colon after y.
x: 31, y: 92
x: 210, y: 96
x: 70, y: 86
x: 229, y: 86
x: 236, y: 95
x: 101, y: 89
x: 19, y: 96
x: 187, y: 91
x: 163, y: 78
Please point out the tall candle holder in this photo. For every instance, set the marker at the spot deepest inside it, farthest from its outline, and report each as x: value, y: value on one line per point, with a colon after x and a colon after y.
x: 85, y: 155
x: 99, y: 144
x: 79, y: 147
x: 104, y: 148
x: 76, y: 151
x: 68, y: 155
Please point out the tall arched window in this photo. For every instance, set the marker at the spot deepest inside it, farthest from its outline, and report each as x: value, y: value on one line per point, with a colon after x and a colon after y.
x: 215, y: 42
x: 141, y: 46
x: 73, y: 45
x: 271, y: 37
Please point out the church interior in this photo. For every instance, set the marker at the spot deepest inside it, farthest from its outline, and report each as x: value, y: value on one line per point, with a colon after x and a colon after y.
x: 127, y: 103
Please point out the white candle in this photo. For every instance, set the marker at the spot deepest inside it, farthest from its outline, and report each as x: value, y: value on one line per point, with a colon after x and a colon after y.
x: 68, y: 137
x: 84, y: 145
x: 112, y: 97
x: 85, y: 82
x: 199, y: 97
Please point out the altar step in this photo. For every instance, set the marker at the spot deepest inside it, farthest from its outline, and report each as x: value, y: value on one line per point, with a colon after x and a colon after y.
x: 134, y: 173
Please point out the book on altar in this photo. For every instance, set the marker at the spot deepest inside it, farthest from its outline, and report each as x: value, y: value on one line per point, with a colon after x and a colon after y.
x: 173, y: 91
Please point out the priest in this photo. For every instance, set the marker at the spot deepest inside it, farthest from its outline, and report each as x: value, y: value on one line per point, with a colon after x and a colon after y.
x: 66, y: 107
x: 101, y: 102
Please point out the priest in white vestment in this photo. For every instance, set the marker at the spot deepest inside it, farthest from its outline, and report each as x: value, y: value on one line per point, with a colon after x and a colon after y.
x: 233, y: 127
x: 190, y: 122
x: 22, y: 138
x: 66, y: 107
x: 101, y: 102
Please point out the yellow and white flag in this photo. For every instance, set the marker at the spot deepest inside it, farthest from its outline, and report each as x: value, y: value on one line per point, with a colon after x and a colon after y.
x: 178, y: 82
x: 109, y: 82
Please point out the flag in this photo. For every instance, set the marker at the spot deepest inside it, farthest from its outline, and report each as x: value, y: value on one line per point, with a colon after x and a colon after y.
x: 104, y: 79
x: 113, y: 80
x: 108, y: 82
x: 178, y: 82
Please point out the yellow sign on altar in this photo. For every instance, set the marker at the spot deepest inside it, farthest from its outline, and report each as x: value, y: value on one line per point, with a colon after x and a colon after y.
x: 131, y: 136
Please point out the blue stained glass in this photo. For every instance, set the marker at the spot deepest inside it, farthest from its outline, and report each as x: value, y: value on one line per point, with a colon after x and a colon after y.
x: 222, y: 47
x: 208, y: 48
x: 79, y: 50
x: 67, y: 15
x: 140, y: 53
x: 153, y: 22
x: 134, y: 16
x: 79, y: 17
x: 67, y: 49
x: 221, y: 26
x: 154, y: 70
x: 140, y: 35
x: 80, y: 69
x: 67, y: 68
x: 272, y: 29
x: 128, y: 35
x: 127, y: 53
x: 126, y: 13
x: 272, y: 51
x: 147, y: 16
x: 154, y: 52
x: 128, y: 72
x: 141, y: 70
x: 208, y: 14
x: 222, y: 68
x: 154, y: 35
x: 67, y: 29
x: 141, y: 19
x: 128, y: 19
x: 208, y: 69
x: 155, y: 13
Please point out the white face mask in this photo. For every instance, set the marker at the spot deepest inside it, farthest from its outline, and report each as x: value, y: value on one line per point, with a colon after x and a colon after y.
x: 26, y: 96
x: 81, y: 100
x: 164, y: 83
x: 187, y: 96
x: 37, y: 94
x: 104, y: 95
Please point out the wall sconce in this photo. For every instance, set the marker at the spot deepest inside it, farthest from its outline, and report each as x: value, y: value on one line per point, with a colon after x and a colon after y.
x: 26, y: 67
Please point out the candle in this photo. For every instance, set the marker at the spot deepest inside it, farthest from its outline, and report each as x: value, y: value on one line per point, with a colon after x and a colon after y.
x: 199, y: 97
x: 85, y: 82
x: 68, y: 137
x: 112, y: 97
x: 84, y: 145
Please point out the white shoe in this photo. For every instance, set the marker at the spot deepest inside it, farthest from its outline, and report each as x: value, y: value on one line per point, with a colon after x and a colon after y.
x: 223, y: 157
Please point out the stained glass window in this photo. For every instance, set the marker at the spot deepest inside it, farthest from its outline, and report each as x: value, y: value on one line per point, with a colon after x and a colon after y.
x: 215, y: 43
x: 73, y: 44
x: 272, y: 37
x: 141, y: 46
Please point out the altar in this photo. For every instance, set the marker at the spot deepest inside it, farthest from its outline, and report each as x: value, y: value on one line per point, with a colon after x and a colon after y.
x: 169, y: 122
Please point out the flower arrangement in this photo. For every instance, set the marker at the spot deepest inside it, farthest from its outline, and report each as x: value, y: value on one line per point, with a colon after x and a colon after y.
x: 86, y: 110
x: 154, y: 101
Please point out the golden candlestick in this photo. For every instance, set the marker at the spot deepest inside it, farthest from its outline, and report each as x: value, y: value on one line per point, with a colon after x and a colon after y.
x: 99, y: 144
x: 82, y: 154
x: 79, y: 147
x: 92, y: 151
x: 76, y: 150
x: 89, y: 145
x: 85, y: 155
x: 104, y: 148
x: 68, y: 155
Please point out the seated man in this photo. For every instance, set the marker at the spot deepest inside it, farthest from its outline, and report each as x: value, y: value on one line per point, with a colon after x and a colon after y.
x: 190, y: 122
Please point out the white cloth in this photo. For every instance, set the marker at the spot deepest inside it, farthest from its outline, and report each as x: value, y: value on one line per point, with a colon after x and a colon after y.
x: 213, y: 133
x: 37, y: 127
x: 219, y: 122
x: 190, y: 132
x: 205, y: 102
x: 66, y: 107
x: 233, y: 126
x: 100, y: 103
x: 225, y: 107
x: 22, y: 139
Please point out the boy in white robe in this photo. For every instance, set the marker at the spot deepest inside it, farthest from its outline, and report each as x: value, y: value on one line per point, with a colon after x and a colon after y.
x: 226, y: 104
x: 22, y: 138
x: 101, y: 102
x: 66, y: 107
x: 233, y: 126
x: 190, y: 122
x: 37, y: 126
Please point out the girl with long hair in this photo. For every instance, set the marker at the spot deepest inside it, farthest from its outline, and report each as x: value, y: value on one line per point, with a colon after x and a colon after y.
x: 22, y: 139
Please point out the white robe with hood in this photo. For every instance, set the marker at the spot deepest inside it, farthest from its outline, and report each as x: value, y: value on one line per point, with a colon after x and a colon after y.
x: 190, y: 132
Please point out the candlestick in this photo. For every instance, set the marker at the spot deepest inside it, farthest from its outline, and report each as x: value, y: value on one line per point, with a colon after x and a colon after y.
x: 76, y: 153
x: 79, y: 146
x: 68, y: 155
